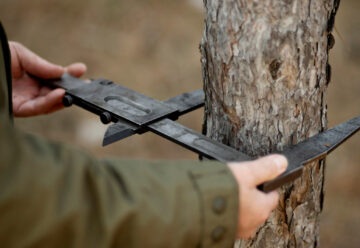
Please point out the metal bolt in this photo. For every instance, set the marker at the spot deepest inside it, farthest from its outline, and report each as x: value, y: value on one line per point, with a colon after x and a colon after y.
x: 67, y: 100
x: 105, y: 117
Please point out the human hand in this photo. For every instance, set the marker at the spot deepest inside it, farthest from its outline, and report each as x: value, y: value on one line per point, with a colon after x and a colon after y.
x: 29, y: 97
x: 256, y: 206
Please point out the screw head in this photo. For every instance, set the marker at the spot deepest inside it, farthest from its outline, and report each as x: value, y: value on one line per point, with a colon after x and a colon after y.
x: 105, y: 117
x: 68, y: 100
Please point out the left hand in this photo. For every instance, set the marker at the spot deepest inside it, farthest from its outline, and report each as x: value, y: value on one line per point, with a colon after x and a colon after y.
x: 29, y: 97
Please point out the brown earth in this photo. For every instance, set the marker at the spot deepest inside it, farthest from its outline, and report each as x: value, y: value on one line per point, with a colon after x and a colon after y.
x: 152, y: 46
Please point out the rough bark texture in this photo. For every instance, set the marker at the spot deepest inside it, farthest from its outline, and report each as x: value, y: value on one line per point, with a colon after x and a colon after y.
x: 266, y: 71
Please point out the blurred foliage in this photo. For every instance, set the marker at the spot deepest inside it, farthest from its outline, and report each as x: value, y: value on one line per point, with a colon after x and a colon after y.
x: 152, y: 46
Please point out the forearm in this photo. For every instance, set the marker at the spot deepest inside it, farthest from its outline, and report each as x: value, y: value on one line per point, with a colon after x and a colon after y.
x: 53, y: 195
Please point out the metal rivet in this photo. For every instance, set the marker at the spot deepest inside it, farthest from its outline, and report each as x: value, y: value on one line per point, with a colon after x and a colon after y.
x: 105, y: 117
x: 219, y: 205
x: 67, y: 100
x: 218, y: 233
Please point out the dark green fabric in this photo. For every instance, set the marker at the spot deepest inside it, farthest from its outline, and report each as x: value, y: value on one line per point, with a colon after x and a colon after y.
x: 53, y: 195
x: 6, y: 70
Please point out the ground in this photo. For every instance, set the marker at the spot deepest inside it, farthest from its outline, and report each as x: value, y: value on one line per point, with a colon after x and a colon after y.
x: 152, y: 46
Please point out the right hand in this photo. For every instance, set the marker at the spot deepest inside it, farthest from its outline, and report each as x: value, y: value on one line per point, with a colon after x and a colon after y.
x: 256, y: 206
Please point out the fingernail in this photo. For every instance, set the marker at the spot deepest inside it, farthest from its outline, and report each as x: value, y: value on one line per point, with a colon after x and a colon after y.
x: 281, y: 163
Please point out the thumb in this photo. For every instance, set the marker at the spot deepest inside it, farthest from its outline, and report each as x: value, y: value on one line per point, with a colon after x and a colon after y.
x: 267, y: 168
x: 29, y: 62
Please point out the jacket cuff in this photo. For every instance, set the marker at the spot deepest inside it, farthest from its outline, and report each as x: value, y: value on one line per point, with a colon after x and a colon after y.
x: 219, y: 203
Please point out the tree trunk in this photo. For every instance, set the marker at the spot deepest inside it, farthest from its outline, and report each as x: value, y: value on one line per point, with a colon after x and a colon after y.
x: 265, y: 69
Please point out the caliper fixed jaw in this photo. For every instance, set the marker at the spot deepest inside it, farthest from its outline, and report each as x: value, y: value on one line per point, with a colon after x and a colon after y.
x: 314, y: 148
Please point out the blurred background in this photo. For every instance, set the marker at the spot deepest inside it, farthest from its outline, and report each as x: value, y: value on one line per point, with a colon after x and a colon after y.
x: 152, y: 46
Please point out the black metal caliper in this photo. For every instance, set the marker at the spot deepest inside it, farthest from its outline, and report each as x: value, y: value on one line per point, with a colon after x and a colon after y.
x: 134, y: 113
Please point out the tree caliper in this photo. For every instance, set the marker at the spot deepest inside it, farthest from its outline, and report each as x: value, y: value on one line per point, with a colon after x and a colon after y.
x: 134, y: 113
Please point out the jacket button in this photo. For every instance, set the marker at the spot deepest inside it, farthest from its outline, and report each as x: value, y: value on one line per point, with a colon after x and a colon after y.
x: 218, y: 233
x: 219, y: 205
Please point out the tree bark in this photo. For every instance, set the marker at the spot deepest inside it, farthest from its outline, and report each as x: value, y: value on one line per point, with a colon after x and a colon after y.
x: 265, y: 69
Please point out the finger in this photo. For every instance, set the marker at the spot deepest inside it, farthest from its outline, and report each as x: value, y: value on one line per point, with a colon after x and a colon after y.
x: 76, y: 69
x: 33, y: 64
x: 44, y: 91
x: 56, y: 108
x: 47, y: 103
x: 266, y: 203
x: 41, y: 104
x: 272, y: 200
x: 267, y: 168
x: 16, y: 68
x: 248, y: 234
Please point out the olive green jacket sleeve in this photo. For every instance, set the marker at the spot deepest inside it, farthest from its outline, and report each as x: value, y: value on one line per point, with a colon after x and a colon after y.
x: 52, y: 195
